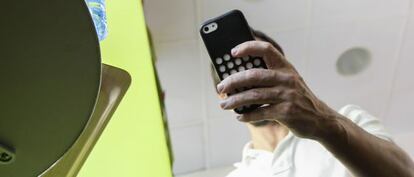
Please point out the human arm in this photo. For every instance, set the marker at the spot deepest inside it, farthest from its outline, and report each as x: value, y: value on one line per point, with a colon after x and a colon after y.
x: 293, y: 104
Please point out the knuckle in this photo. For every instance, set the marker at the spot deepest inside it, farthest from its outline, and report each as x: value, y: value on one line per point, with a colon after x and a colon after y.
x: 292, y: 109
x: 276, y: 73
x: 292, y: 94
x: 291, y: 76
x: 287, y: 107
x: 231, y: 101
x: 256, y: 94
x: 247, y: 44
x: 251, y: 44
x: 267, y: 46
x: 296, y: 77
x: 253, y: 74
x: 292, y: 79
x: 276, y: 92
x: 230, y: 83
x: 244, y: 118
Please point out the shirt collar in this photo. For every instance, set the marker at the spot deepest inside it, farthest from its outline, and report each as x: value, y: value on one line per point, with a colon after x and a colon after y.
x: 282, y: 156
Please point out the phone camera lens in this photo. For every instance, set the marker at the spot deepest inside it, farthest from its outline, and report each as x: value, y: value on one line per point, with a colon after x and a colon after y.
x: 206, y: 29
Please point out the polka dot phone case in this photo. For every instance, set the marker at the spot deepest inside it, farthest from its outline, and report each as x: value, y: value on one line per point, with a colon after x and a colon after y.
x: 220, y: 35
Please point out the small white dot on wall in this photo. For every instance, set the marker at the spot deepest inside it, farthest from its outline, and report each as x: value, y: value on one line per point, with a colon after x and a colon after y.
x: 353, y: 61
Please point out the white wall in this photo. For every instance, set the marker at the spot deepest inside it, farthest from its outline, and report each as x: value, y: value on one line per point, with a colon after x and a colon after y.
x: 313, y: 33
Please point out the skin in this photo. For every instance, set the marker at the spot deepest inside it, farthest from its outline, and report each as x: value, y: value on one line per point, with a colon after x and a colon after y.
x: 293, y: 105
x: 267, y: 137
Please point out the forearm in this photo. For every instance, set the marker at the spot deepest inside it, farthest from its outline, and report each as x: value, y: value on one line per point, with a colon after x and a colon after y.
x: 290, y: 102
x: 365, y: 155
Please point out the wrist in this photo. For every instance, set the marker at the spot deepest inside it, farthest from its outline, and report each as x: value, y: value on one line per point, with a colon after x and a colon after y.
x: 331, y: 128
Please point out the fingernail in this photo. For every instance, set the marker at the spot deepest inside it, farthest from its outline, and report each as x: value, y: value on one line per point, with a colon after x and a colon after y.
x: 222, y: 96
x: 240, y: 118
x: 234, y: 51
x: 220, y: 87
x: 223, y: 104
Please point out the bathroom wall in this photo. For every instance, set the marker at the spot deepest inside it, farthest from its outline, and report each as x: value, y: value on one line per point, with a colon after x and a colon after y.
x: 313, y: 33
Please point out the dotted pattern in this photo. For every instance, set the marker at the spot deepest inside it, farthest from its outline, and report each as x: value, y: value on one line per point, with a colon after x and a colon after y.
x: 226, y: 65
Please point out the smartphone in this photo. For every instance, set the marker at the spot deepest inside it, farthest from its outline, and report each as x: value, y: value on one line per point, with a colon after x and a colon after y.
x: 220, y: 35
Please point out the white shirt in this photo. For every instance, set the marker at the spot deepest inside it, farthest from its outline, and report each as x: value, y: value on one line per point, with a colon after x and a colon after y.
x: 299, y: 157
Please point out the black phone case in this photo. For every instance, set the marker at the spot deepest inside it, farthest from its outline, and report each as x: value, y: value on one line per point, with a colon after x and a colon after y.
x: 232, y: 30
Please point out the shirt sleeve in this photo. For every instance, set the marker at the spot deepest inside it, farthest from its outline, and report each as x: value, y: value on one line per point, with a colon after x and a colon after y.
x: 365, y: 120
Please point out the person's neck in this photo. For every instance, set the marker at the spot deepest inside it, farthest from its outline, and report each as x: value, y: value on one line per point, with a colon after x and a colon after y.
x: 267, y: 137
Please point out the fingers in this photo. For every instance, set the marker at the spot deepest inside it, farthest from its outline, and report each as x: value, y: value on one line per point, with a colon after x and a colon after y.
x: 254, y: 78
x: 273, y: 58
x: 273, y: 112
x: 257, y: 96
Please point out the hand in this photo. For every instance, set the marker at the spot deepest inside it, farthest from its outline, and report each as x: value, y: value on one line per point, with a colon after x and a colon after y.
x: 289, y: 100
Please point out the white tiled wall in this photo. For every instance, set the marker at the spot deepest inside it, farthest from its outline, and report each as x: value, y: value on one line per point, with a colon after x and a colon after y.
x: 179, y: 69
x: 227, y: 139
x: 294, y: 43
x: 313, y: 34
x: 367, y: 89
x: 188, y: 147
x: 400, y: 119
x: 330, y: 12
x: 286, y: 14
x: 171, y: 20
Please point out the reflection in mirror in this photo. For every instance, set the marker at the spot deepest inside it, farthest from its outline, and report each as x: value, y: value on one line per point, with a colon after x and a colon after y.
x: 324, y: 43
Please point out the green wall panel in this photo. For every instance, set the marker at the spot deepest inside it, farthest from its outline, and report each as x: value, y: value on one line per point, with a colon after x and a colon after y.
x: 133, y: 144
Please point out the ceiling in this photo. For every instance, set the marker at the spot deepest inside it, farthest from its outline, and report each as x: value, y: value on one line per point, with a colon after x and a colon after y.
x: 313, y: 33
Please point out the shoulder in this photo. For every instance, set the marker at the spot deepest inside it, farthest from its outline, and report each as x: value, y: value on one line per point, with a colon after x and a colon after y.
x: 313, y: 159
x: 365, y: 120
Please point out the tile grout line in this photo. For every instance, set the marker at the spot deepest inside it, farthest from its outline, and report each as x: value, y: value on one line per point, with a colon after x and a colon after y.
x: 187, y: 39
x: 398, y: 55
x: 186, y: 124
x: 307, y: 40
x: 197, y: 4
